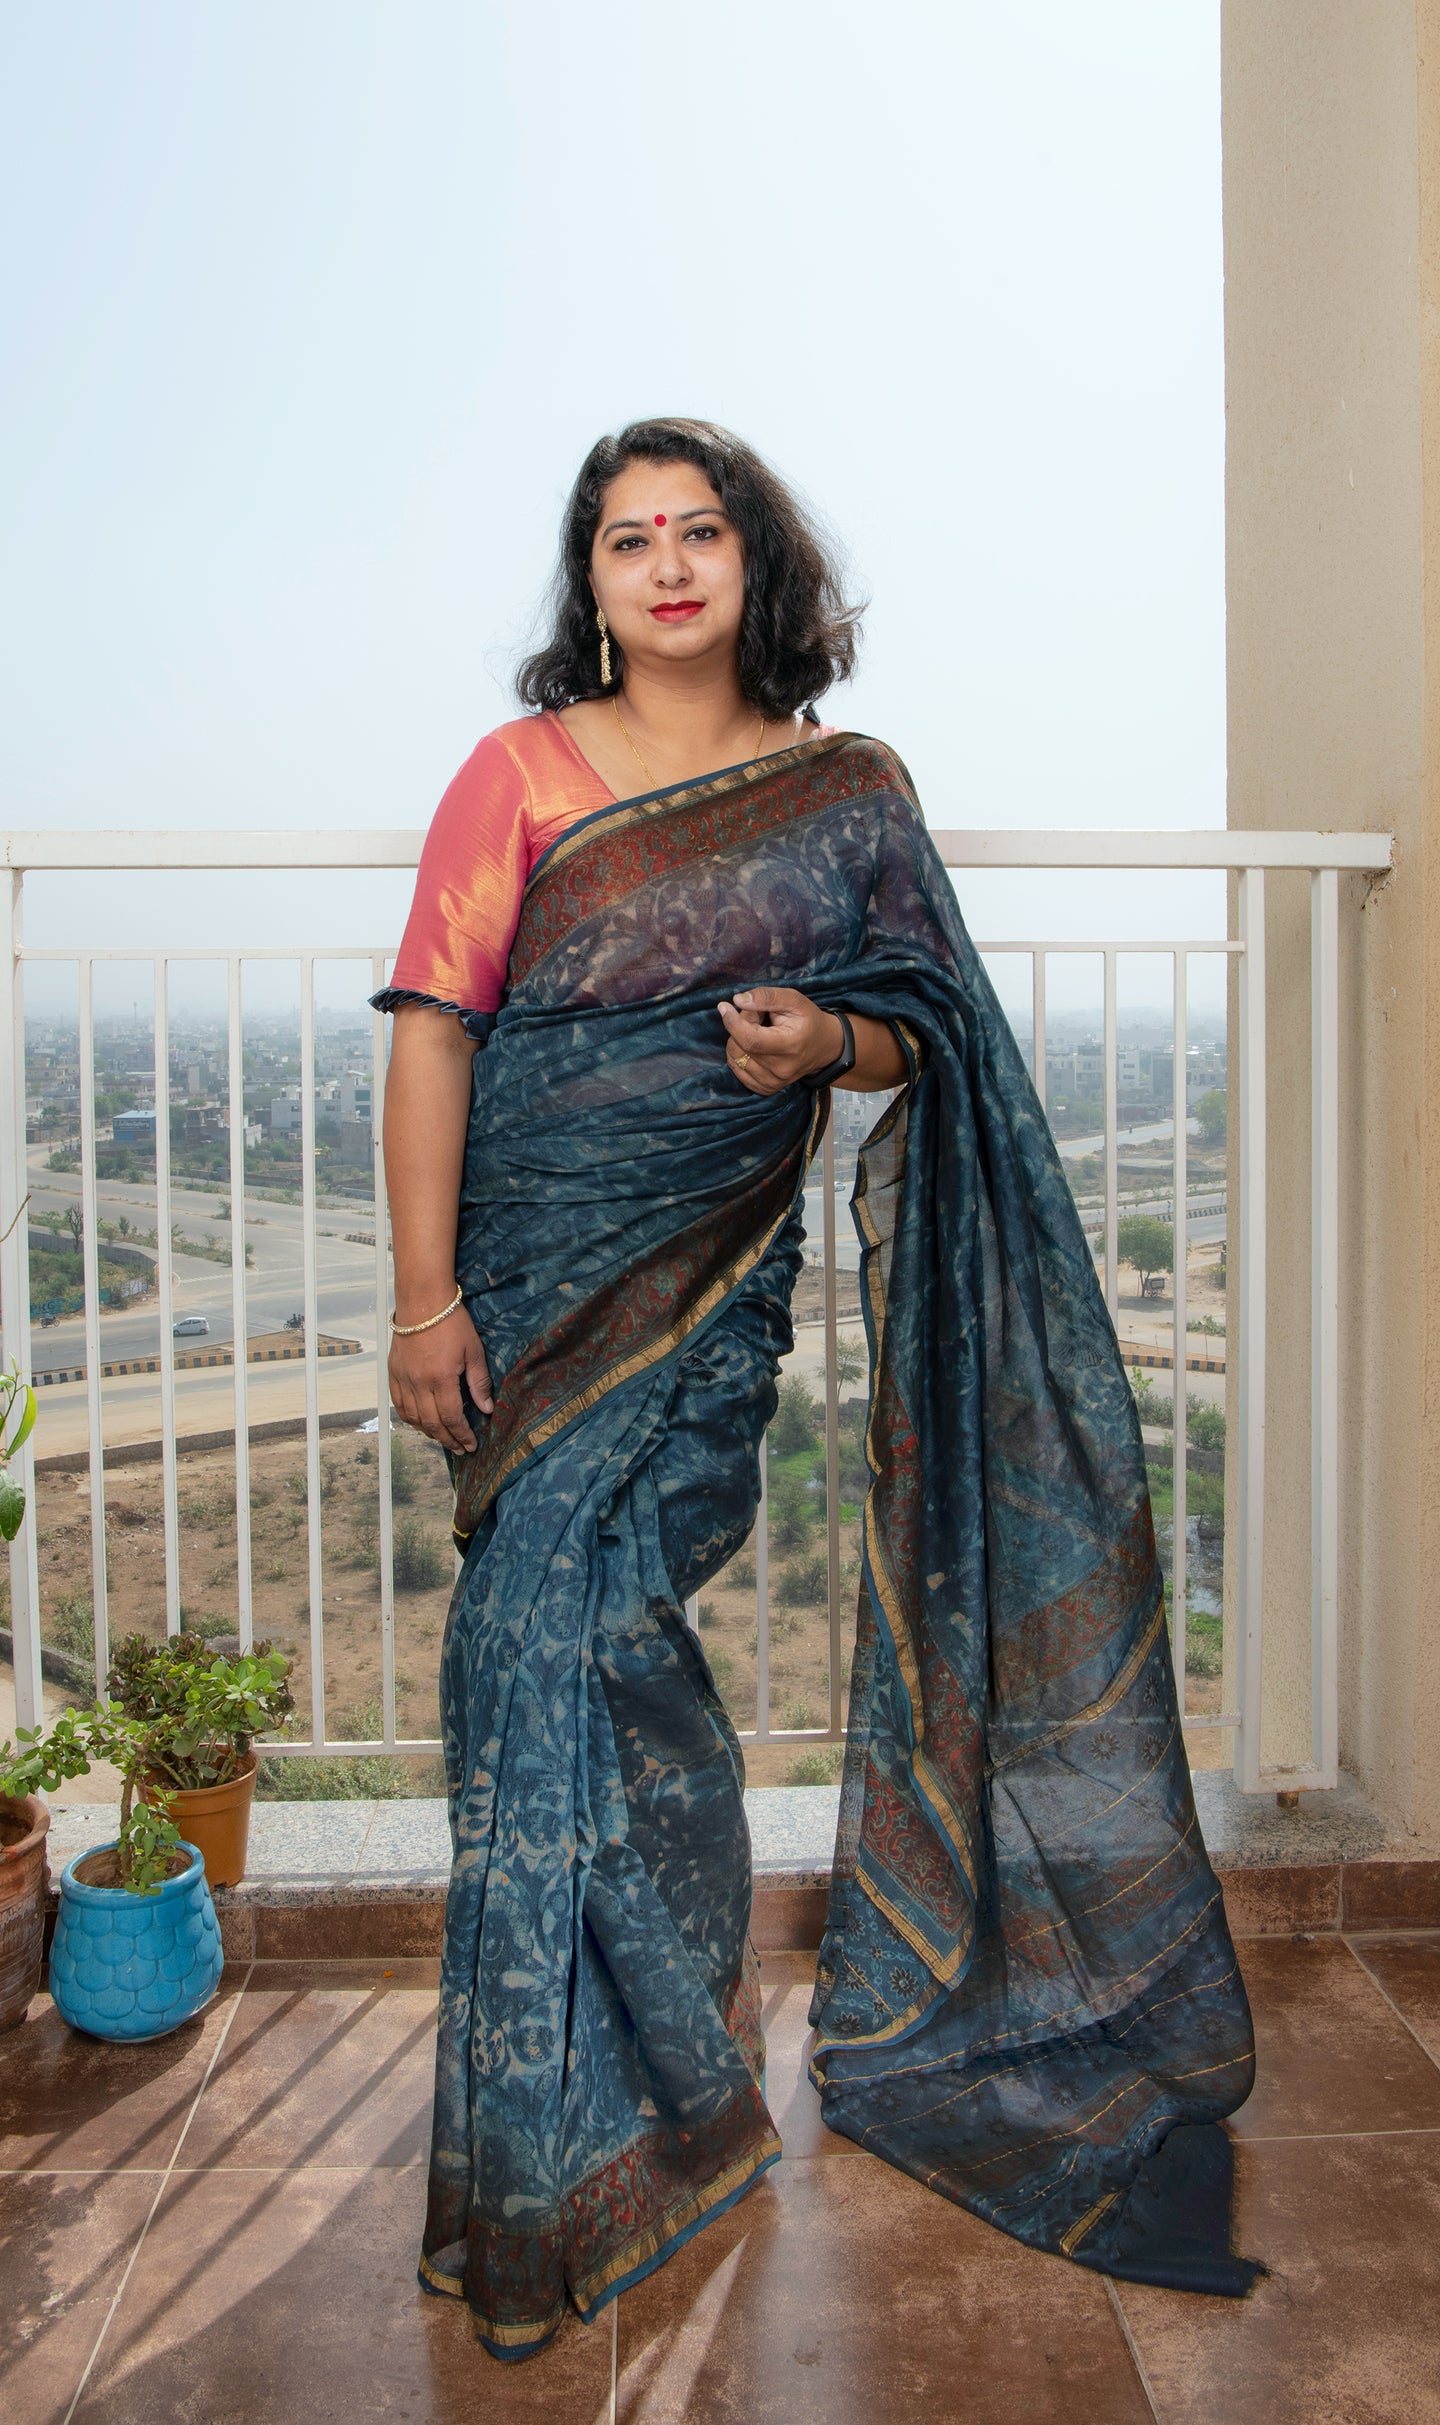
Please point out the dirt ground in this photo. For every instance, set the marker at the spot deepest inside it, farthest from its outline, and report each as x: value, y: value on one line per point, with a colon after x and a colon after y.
x: 349, y: 1521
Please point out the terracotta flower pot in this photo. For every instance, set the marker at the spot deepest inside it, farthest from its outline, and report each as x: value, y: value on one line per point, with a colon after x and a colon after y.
x: 216, y: 1818
x: 24, y: 1876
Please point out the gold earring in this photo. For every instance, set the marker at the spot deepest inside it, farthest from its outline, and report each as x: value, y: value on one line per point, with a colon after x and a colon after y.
x: 604, y: 630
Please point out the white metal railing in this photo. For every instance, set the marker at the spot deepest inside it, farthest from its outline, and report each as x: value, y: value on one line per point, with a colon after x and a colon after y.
x: 1249, y: 856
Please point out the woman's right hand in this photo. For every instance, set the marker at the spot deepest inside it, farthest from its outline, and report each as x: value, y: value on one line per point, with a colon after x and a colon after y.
x: 425, y: 1376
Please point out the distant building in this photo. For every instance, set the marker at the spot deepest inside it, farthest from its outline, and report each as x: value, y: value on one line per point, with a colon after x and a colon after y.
x: 355, y: 1143
x: 285, y: 1113
x: 134, y: 1127
x: 353, y: 1094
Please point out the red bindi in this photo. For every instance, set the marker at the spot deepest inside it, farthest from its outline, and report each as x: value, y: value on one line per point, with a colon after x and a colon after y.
x: 659, y: 521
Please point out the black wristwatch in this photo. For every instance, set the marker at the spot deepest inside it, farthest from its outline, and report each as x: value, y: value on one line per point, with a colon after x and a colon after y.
x: 844, y: 1060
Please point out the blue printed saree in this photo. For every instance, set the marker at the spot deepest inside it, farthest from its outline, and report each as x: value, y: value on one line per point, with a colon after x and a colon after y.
x: 1027, y: 1995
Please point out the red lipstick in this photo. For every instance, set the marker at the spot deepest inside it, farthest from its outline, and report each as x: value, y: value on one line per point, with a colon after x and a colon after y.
x: 679, y: 611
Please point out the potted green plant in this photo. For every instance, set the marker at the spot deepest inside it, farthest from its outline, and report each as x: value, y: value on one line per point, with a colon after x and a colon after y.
x: 24, y: 1820
x: 137, y: 1946
x: 200, y: 1712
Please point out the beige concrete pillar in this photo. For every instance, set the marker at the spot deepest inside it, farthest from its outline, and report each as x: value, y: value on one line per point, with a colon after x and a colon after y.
x: 1331, y: 124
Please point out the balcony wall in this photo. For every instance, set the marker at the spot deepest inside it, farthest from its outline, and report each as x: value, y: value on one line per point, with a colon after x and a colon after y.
x: 1331, y: 117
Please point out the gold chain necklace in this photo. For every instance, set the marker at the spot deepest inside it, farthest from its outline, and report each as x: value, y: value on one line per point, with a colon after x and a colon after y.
x: 757, y: 751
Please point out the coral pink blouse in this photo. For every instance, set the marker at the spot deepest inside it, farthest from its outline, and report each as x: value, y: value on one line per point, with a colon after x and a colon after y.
x: 525, y: 784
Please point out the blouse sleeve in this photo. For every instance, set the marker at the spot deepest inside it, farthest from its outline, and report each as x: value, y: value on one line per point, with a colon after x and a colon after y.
x: 471, y: 880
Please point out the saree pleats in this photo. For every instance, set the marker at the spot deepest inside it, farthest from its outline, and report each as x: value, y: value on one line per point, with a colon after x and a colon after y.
x: 1027, y: 1995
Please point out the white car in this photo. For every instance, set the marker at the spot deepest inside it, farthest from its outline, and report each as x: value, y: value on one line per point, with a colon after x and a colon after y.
x: 190, y: 1326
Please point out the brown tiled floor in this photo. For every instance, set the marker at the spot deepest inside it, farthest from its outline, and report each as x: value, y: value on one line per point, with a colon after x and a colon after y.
x: 222, y: 2227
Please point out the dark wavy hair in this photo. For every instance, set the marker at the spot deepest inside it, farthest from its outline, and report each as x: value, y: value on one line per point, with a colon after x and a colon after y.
x: 798, y: 634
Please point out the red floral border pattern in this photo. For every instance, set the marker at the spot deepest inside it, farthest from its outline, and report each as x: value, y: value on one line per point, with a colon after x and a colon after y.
x: 638, y: 845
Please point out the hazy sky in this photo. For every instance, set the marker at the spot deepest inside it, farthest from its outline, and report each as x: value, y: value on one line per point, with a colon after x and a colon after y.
x: 310, y: 311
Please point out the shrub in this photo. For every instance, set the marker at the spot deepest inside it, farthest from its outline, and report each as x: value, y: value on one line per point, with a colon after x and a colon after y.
x: 1204, y: 1641
x: 797, y: 1715
x: 1205, y: 1423
x: 814, y: 1768
x: 854, y: 1472
x: 741, y: 1572
x: 364, y: 1550
x: 705, y: 1611
x: 299, y: 1488
x: 419, y: 1564
x: 71, y: 1626
x: 796, y: 1418
x: 340, y: 1777
x: 801, y: 1585
x: 793, y: 1512
x: 207, y: 1624
x: 404, y: 1471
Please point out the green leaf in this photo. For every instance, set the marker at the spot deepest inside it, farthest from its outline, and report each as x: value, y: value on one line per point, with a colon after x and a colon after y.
x: 12, y: 1507
x: 27, y: 1419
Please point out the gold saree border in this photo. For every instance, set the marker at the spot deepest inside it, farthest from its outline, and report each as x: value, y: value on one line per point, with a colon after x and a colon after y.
x: 534, y: 1435
x: 587, y: 2292
x: 676, y: 2219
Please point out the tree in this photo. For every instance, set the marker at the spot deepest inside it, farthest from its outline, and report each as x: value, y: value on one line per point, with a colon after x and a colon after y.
x: 1210, y: 1112
x: 850, y: 1360
x: 75, y: 1223
x: 794, y: 1424
x: 1147, y: 1244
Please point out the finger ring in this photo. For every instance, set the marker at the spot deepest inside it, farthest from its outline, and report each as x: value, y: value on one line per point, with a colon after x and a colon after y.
x: 741, y: 1059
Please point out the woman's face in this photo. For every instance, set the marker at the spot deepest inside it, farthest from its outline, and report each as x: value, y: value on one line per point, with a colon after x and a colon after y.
x: 667, y: 566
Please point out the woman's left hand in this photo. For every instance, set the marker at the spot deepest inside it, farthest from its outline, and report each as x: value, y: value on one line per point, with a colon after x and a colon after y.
x: 776, y: 1036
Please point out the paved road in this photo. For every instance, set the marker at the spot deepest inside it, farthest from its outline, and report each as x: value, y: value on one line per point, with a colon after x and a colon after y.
x: 1072, y: 1147
x: 274, y: 1282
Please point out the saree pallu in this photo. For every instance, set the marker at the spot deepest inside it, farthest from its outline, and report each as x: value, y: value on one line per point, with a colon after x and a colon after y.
x: 1026, y: 1995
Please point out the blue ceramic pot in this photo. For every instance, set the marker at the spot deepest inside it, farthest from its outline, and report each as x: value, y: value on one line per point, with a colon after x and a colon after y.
x: 132, y: 1966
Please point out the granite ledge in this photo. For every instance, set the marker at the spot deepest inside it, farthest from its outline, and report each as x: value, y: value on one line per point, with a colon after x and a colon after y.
x: 330, y: 1853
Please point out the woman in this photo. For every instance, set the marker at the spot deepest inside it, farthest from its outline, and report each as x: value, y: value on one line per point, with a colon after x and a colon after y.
x: 619, y: 1012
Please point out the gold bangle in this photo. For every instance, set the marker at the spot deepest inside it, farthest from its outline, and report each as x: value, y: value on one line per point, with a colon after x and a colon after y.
x: 408, y: 1330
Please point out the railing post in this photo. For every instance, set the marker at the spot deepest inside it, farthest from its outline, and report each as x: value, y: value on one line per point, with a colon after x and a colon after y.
x: 1325, y: 1324
x: 15, y: 1304
x: 762, y: 1598
x: 832, y: 1425
x: 1179, y: 1470
x: 244, y: 1585
x: 1112, y: 1145
x: 312, y: 1349
x: 386, y: 1511
x: 165, y: 1264
x: 1250, y: 1559
x: 94, y: 1381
